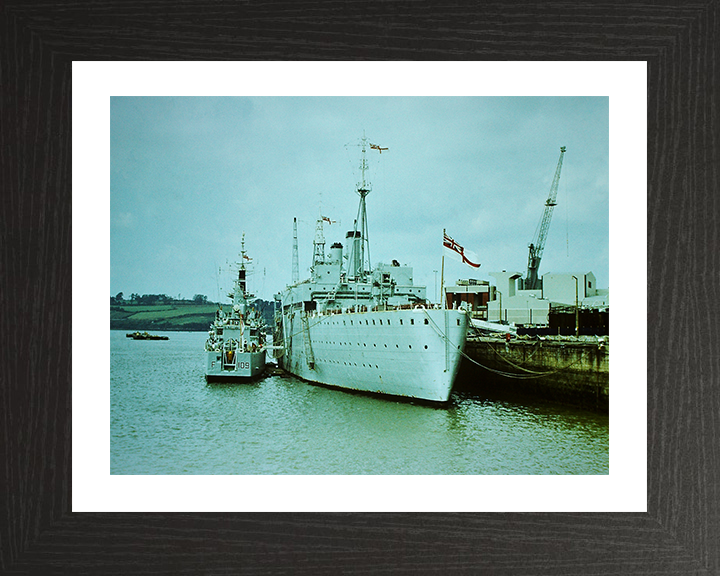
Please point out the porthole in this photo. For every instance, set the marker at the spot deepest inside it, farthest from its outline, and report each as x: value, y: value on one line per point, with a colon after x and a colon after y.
x: 425, y: 346
x: 412, y: 321
x: 410, y: 346
x: 426, y: 320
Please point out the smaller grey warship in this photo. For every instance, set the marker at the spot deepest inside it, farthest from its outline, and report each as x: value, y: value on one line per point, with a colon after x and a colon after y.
x: 235, y: 348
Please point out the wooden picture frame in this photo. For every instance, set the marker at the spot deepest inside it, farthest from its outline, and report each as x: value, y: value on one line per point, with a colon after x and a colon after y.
x: 38, y: 532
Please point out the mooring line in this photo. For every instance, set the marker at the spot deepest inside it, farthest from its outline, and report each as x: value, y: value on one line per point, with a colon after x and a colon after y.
x: 502, y: 373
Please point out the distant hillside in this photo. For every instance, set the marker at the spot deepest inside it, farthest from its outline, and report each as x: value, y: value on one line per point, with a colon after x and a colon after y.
x: 185, y: 316
x: 188, y: 317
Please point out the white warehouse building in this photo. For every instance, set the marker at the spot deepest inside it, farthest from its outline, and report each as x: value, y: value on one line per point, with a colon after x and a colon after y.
x: 533, y: 306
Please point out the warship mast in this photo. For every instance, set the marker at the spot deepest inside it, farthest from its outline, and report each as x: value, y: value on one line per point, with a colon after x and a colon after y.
x: 360, y: 243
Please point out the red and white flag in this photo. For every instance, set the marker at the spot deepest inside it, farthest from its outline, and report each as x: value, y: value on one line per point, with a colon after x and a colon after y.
x: 457, y: 252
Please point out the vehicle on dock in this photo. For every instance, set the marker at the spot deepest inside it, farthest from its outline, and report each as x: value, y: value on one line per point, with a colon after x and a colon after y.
x: 235, y: 349
x: 371, y: 330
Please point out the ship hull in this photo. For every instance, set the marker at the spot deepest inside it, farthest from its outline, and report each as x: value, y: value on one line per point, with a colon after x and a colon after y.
x: 412, y: 353
x: 240, y: 367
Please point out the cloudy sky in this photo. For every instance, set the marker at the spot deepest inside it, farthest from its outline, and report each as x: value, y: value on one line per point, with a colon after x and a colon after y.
x: 190, y: 175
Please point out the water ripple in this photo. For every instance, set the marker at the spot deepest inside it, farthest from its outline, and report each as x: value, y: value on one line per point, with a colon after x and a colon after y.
x: 166, y: 420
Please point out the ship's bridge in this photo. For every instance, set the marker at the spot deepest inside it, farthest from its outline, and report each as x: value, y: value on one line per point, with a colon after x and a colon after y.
x: 401, y: 279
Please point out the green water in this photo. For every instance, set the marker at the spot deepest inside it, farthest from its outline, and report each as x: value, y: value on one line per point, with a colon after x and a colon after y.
x: 166, y: 420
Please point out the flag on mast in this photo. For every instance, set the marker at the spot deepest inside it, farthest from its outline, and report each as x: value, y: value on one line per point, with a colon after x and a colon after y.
x: 457, y: 252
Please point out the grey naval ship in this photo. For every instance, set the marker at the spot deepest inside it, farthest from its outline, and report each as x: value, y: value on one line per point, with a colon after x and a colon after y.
x: 352, y: 327
x: 235, y: 348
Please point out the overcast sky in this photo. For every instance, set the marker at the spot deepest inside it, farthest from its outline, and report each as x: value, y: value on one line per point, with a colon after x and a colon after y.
x: 190, y: 175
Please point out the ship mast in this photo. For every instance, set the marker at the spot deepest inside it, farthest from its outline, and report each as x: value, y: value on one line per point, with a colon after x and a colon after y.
x: 240, y: 297
x: 361, y: 226
x: 295, y: 266
x: 360, y: 246
x: 319, y: 241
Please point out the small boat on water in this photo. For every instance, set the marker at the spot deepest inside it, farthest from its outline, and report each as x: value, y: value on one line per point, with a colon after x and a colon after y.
x: 145, y: 336
x: 235, y: 348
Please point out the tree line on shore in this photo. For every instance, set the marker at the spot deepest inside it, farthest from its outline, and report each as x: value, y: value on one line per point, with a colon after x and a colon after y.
x: 197, y: 317
x: 152, y: 299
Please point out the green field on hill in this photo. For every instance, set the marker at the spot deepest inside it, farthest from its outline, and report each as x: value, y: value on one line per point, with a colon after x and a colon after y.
x: 184, y: 315
x: 190, y: 317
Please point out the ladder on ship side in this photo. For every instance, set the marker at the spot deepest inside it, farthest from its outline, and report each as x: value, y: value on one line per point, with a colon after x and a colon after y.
x: 309, y: 356
x: 331, y: 296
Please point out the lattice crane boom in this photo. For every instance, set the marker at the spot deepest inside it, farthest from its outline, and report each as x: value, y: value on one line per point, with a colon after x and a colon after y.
x: 532, y: 280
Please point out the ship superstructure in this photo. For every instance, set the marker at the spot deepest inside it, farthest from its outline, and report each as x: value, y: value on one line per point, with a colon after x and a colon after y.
x: 235, y: 348
x: 371, y: 330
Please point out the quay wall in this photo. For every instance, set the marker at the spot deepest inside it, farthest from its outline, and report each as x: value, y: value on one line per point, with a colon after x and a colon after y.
x: 567, y: 370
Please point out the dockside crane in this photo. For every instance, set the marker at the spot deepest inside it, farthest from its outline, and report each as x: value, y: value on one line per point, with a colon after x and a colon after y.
x: 532, y: 281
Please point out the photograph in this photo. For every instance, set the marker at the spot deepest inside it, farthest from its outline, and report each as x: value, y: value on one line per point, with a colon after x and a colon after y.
x: 359, y: 285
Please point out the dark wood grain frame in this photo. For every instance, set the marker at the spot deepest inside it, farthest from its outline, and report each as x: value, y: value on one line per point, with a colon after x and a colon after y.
x: 681, y: 530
